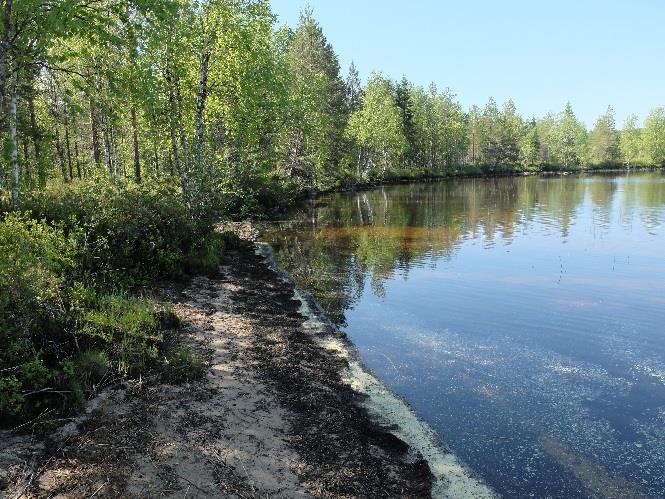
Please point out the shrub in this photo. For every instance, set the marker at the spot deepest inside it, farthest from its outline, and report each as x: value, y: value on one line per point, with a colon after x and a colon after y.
x: 128, y: 236
x: 59, y: 334
x: 11, y: 399
x: 70, y: 269
x: 205, y: 257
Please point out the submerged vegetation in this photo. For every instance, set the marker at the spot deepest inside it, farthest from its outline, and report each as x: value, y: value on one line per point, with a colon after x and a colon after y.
x: 130, y: 127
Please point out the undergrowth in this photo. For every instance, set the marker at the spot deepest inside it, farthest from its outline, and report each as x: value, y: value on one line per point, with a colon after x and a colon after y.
x: 73, y: 313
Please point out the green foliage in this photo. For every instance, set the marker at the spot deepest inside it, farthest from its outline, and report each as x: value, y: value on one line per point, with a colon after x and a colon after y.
x: 530, y: 146
x: 502, y: 136
x: 569, y: 139
x: 125, y: 236
x: 377, y: 127
x: 205, y: 257
x: 440, y: 130
x: 34, y: 262
x: 630, y: 142
x: 604, y: 146
x: 11, y: 398
x: 654, y: 136
x: 181, y: 365
x: 317, y: 107
x: 68, y: 315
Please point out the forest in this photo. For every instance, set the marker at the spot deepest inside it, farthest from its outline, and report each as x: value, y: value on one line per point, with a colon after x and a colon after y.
x: 131, y: 127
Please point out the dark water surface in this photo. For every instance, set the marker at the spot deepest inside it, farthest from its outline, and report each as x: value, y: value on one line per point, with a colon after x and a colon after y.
x: 523, y: 318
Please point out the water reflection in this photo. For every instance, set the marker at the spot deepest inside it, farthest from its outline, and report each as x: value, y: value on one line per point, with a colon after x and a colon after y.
x: 332, y: 243
x: 522, y: 317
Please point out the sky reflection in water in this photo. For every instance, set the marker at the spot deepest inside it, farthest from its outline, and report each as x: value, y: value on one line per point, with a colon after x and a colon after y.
x: 523, y: 318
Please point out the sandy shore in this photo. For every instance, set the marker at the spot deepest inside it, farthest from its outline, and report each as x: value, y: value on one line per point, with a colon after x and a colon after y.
x: 284, y: 410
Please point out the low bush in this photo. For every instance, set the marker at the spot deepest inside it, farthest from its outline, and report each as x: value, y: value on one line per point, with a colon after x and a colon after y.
x: 72, y: 316
x: 61, y: 335
x: 126, y: 236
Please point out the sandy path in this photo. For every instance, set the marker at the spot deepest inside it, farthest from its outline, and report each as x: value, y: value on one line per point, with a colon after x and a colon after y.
x: 271, y: 418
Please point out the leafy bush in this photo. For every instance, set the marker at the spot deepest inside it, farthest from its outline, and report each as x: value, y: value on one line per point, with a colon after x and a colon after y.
x: 127, y: 236
x: 205, y: 257
x: 11, y: 399
x: 69, y: 270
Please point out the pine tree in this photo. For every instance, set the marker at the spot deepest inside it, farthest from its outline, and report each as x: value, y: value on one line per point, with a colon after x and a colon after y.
x: 354, y: 89
x: 403, y: 101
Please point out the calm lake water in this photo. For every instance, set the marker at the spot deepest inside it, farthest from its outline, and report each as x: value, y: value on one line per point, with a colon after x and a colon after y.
x: 523, y: 318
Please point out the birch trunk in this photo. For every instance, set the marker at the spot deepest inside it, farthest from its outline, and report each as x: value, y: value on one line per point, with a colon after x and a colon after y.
x: 107, y: 148
x: 94, y: 135
x: 202, y: 95
x: 172, y: 118
x: 78, y: 161
x: 4, y: 53
x: 68, y: 149
x: 61, y: 155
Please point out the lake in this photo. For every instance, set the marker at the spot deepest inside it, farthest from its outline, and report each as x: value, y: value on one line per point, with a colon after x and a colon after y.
x: 523, y: 318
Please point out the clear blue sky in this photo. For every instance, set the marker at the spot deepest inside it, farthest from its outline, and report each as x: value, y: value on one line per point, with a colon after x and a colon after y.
x: 539, y: 53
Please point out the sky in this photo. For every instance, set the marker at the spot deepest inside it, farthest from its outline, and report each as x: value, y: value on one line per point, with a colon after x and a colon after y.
x: 541, y: 54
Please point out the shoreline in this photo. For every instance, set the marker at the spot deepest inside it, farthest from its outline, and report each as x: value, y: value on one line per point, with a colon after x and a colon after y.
x: 452, y: 479
x: 275, y: 414
x: 426, y: 178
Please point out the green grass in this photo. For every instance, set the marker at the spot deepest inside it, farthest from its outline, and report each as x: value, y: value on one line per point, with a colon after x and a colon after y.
x: 181, y: 365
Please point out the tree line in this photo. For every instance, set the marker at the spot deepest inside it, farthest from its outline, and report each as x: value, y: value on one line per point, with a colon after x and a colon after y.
x: 215, y: 96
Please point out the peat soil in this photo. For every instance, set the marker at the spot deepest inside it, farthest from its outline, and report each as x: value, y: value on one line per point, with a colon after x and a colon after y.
x: 271, y: 417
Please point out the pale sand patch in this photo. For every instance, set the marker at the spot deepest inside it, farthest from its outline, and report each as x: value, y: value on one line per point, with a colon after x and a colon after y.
x: 224, y: 436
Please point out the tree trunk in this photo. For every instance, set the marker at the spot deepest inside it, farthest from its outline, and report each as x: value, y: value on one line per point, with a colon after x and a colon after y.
x: 135, y: 137
x: 94, y: 134
x: 116, y: 159
x: 26, y: 160
x: 61, y: 155
x: 12, y: 135
x: 36, y: 140
x: 156, y: 156
x: 78, y: 160
x: 181, y: 127
x: 107, y: 148
x: 201, y: 97
x: 172, y: 118
x: 4, y: 53
x: 68, y: 149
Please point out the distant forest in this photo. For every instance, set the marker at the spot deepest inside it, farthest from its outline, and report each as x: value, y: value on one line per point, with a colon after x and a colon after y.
x: 215, y: 95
